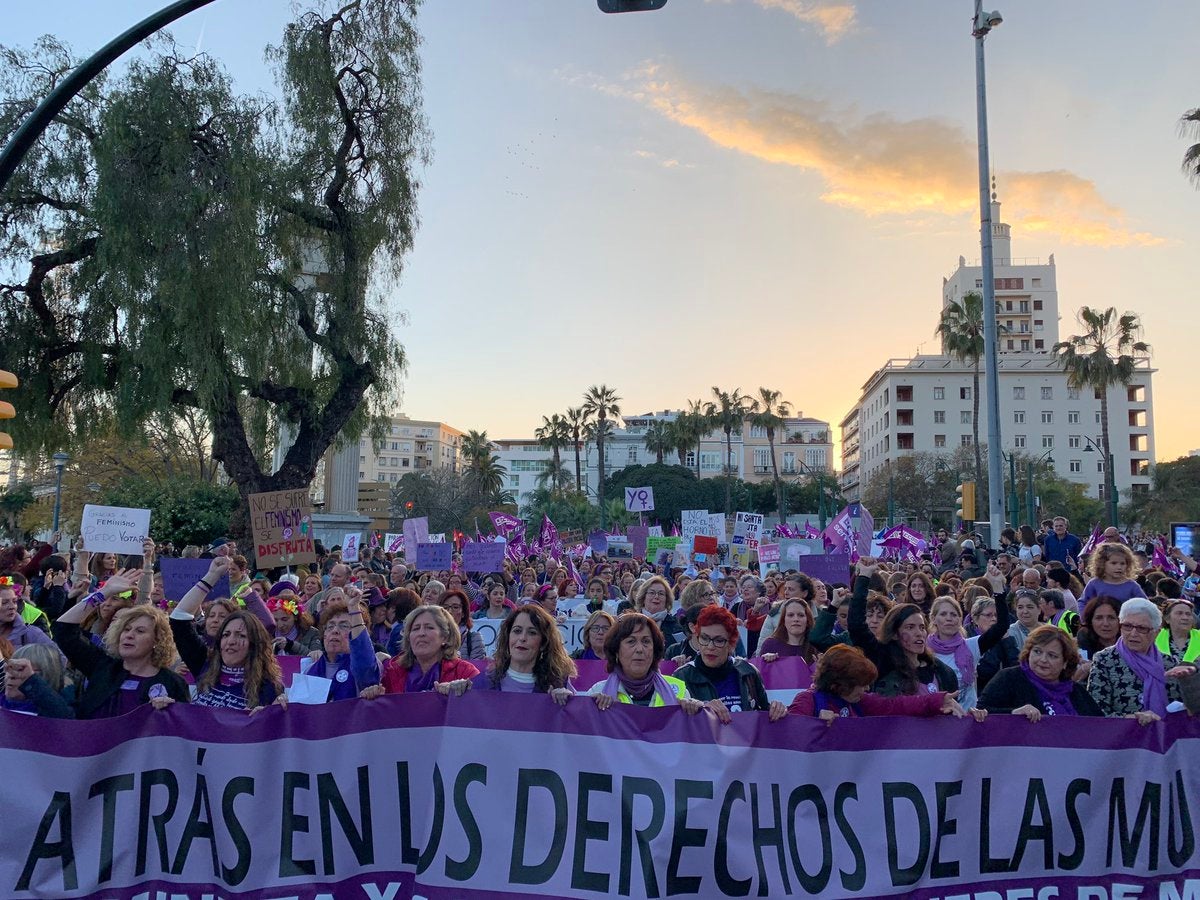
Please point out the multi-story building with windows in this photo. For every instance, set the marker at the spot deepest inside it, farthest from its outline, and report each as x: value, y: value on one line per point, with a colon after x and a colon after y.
x: 926, y: 403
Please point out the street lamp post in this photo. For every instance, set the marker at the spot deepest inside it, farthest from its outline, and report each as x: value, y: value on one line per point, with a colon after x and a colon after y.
x: 1110, y: 476
x: 982, y: 24
x: 60, y: 462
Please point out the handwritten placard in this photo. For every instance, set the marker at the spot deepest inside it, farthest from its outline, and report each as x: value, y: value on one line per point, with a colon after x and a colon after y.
x: 350, y: 547
x: 393, y: 543
x: 416, y: 531
x: 639, y: 499
x: 281, y: 524
x: 114, y: 529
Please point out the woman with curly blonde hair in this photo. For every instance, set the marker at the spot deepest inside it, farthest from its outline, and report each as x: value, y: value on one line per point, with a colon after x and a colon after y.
x: 132, y: 669
x: 1113, y: 568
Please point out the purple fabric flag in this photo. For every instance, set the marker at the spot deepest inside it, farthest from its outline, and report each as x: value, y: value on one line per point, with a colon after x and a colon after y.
x: 574, y: 573
x: 506, y: 524
x: 810, y: 530
x: 1164, y: 562
x: 1097, y: 534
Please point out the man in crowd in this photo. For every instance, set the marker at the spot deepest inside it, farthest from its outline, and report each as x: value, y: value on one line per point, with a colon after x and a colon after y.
x: 1062, y: 546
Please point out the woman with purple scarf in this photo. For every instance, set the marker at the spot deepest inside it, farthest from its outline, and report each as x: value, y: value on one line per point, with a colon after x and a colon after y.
x: 1043, y: 683
x: 634, y: 648
x: 1133, y: 678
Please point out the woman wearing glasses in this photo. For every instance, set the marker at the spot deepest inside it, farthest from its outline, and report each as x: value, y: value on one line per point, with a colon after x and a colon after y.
x: 656, y: 599
x: 595, y: 630
x: 726, y: 684
x: 348, y: 657
x: 1133, y: 678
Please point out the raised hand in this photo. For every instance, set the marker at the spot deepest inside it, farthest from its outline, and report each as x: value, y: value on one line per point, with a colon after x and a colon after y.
x: 121, y: 581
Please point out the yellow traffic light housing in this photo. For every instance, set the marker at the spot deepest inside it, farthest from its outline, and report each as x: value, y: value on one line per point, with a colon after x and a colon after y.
x: 965, y: 504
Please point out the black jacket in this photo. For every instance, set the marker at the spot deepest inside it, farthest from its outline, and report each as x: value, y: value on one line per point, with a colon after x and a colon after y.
x: 1010, y: 689
x: 106, y: 674
x: 880, y: 654
x: 754, y: 695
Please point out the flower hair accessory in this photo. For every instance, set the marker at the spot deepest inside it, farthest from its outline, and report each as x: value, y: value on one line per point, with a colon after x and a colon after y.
x: 285, y: 602
x: 10, y: 583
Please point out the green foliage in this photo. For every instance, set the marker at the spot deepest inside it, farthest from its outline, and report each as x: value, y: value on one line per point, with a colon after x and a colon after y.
x: 183, y: 511
x: 12, y: 504
x: 212, y: 251
x: 1174, y: 496
x: 450, y: 499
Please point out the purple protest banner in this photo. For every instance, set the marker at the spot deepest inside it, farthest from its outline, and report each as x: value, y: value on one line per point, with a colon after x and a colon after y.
x: 887, y: 807
x: 833, y: 568
x: 485, y: 557
x: 181, y: 575
x: 416, y: 531
x: 638, y: 535
x: 598, y: 541
x: 434, y: 557
x: 784, y: 673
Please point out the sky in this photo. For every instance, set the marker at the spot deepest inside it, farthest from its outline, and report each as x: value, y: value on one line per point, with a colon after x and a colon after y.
x: 750, y: 193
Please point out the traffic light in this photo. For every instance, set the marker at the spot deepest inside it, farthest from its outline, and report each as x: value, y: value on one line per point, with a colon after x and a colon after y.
x: 7, y: 380
x: 620, y: 6
x: 965, y: 508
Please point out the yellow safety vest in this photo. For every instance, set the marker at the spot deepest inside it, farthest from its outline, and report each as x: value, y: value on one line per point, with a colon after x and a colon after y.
x: 1163, y: 642
x: 676, y: 685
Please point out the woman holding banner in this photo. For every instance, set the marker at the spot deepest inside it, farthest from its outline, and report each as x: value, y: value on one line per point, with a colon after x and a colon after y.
x: 1133, y: 678
x: 839, y: 691
x: 239, y: 670
x: 726, y: 685
x: 530, y: 657
x: 347, y: 656
x: 634, y: 649
x: 132, y: 669
x: 1043, y: 683
x: 791, y: 637
x: 429, y: 660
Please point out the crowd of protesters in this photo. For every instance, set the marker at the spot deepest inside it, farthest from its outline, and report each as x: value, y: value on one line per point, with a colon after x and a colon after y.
x: 1044, y: 625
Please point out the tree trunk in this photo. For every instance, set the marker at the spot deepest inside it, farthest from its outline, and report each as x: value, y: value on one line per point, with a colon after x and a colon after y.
x: 775, y: 469
x: 975, y: 434
x: 600, y: 464
x: 578, y: 469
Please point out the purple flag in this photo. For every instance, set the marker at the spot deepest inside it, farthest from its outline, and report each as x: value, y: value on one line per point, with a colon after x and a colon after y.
x: 505, y: 524
x: 1164, y: 562
x: 1088, y: 547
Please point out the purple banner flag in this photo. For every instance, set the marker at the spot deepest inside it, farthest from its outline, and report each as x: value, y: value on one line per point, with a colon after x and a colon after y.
x: 424, y: 795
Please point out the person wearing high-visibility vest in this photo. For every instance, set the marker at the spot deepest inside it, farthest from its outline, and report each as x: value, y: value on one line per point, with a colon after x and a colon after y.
x: 1054, y: 610
x: 1179, y: 637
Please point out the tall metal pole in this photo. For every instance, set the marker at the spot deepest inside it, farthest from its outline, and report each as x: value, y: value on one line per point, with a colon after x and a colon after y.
x: 1029, y: 495
x: 991, y: 363
x: 1012, y: 490
x: 1112, y: 491
x: 60, y: 461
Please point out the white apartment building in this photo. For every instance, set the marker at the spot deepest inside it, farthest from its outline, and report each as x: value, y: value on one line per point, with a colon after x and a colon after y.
x: 409, y: 446
x: 925, y: 404
x: 523, y: 460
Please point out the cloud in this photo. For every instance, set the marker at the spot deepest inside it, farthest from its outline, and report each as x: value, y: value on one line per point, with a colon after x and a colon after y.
x: 833, y: 18
x: 878, y: 164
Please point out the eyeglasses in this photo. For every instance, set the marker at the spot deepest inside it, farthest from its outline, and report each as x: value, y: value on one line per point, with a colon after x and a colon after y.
x: 1136, y: 629
x: 338, y: 626
x: 709, y: 594
x: 706, y: 641
x: 599, y: 629
x: 656, y: 593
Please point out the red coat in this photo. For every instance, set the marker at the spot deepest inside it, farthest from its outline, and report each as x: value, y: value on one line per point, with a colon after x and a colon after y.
x: 923, y: 704
x: 395, y: 676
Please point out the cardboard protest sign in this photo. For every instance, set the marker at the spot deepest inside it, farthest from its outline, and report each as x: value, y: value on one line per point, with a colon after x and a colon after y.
x: 484, y: 557
x: 434, y: 557
x: 748, y: 527
x: 350, y: 547
x: 768, y: 554
x: 620, y: 548
x: 114, y: 529
x: 598, y: 541
x: 393, y: 543
x: 281, y: 523
x: 656, y: 531
x: 703, y: 543
x: 180, y: 576
x: 437, y: 538
x: 416, y: 531
x: 791, y: 549
x: 639, y: 499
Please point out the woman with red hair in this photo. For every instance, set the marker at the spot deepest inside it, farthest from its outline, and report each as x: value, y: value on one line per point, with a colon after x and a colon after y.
x: 840, y: 685
x: 726, y: 683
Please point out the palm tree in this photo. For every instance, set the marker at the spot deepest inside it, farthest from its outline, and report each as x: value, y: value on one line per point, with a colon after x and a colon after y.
x: 554, y: 433
x: 476, y: 446
x: 487, y: 475
x: 679, y: 437
x: 575, y: 419
x: 727, y: 411
x: 768, y: 410
x: 1104, y: 355
x: 1189, y: 125
x: 659, y: 439
x: 600, y: 402
x: 555, y: 476
x: 695, y: 425
x: 961, y: 331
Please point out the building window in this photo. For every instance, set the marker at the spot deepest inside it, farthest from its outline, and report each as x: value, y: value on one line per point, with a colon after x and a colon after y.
x: 1038, y: 325
x: 1072, y: 393
x: 939, y: 393
x: 690, y: 459
x: 1012, y: 345
x: 761, y: 458
x: 789, y: 462
x: 964, y: 417
x: 381, y: 461
x: 1008, y: 306
x: 978, y: 282
x: 1018, y: 417
x: 395, y: 445
x: 1073, y: 417
x: 1039, y: 344
x: 1036, y: 282
x: 1047, y: 393
x: 939, y: 417
x: 758, y: 431
x: 710, y: 461
x: 1047, y: 417
x: 632, y: 455
x: 1024, y: 345
x: 964, y: 393
x: 1097, y: 417
x: 1073, y: 442
x: 362, y: 460
x: 815, y: 457
x: 362, y: 476
x: 965, y: 440
x: 939, y: 440
x: 404, y: 462
x: 1024, y: 306
x: 515, y: 480
x: 1019, y: 441
x: 1018, y: 393
x: 1047, y: 442
x: 1100, y: 465
x: 904, y: 393
x: 1076, y: 466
